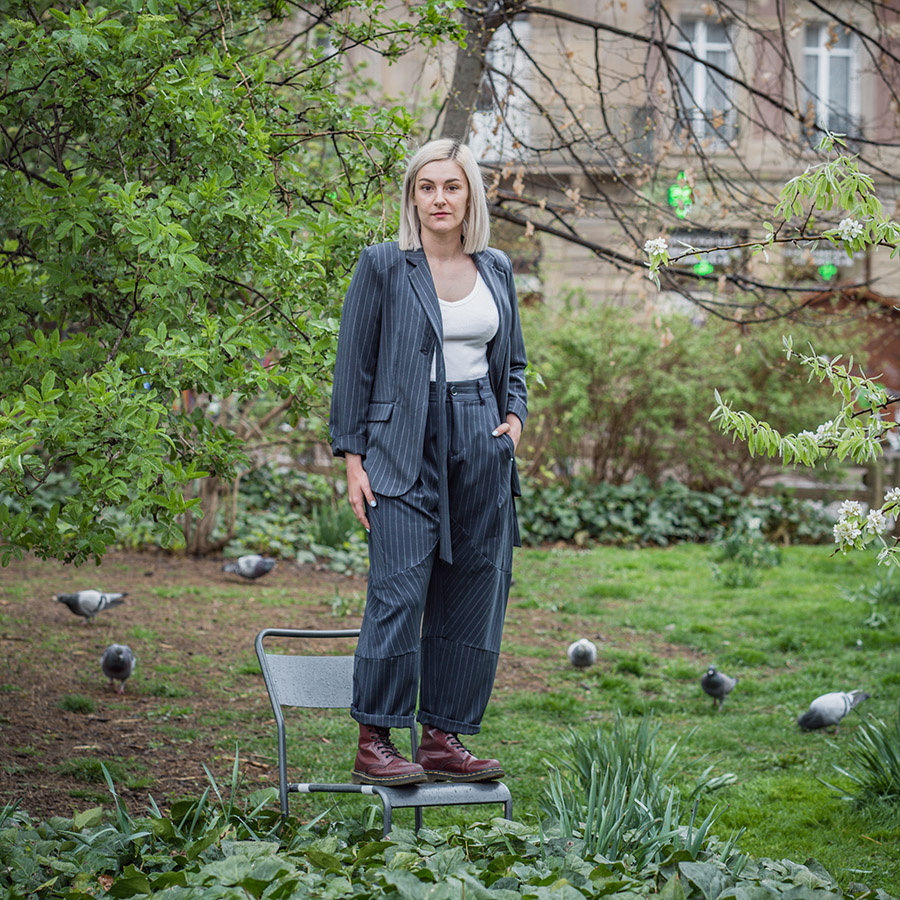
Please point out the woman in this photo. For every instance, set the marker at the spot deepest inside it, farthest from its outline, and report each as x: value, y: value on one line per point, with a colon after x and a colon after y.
x: 428, y: 406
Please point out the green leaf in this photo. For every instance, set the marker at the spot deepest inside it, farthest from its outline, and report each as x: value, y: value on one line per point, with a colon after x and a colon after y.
x: 129, y: 887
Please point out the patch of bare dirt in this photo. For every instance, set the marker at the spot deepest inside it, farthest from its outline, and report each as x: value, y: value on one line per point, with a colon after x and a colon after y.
x: 175, y: 713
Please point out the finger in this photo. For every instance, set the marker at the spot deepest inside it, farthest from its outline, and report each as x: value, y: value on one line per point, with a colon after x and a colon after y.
x: 359, y: 510
x: 502, y: 428
x: 369, y: 495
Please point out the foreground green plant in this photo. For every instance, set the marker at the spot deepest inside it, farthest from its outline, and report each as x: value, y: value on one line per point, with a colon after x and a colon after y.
x: 873, y: 765
x: 501, y: 860
x: 612, y: 791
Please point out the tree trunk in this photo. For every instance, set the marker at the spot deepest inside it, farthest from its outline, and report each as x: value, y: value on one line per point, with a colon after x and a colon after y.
x: 480, y: 20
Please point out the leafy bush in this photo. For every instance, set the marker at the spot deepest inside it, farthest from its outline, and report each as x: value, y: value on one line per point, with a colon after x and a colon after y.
x: 613, y: 792
x: 627, y: 397
x: 741, y: 555
x: 640, y: 513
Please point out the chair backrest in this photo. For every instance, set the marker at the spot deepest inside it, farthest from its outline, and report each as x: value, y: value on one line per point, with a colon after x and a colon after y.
x: 323, y: 682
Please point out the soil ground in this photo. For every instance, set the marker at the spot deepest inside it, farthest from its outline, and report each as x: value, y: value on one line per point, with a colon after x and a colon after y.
x: 192, y: 628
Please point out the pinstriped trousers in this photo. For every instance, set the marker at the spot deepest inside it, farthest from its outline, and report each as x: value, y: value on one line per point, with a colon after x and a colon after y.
x: 431, y: 630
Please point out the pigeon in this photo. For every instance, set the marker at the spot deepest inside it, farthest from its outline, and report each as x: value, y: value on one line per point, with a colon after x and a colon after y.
x: 118, y: 663
x: 582, y: 653
x: 250, y: 567
x: 718, y: 685
x: 829, y: 709
x: 88, y: 603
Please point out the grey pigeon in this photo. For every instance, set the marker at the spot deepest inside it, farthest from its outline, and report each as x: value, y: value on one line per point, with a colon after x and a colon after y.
x: 118, y: 663
x: 251, y: 566
x: 88, y: 603
x: 829, y: 709
x: 582, y: 653
x: 718, y: 685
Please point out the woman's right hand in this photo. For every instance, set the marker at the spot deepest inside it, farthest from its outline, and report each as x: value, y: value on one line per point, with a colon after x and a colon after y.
x: 359, y: 491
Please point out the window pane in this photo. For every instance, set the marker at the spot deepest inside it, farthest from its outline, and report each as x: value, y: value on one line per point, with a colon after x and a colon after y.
x: 839, y: 84
x: 717, y: 33
x: 843, y: 40
x: 811, y: 75
x: 718, y: 58
x: 812, y: 35
x: 717, y: 95
x: 686, y: 83
x: 839, y: 90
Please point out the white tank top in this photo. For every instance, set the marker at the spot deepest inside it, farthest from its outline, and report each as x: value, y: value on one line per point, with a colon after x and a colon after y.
x: 469, y: 324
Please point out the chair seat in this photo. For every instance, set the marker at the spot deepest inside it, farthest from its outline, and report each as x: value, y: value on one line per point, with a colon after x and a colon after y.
x: 441, y: 793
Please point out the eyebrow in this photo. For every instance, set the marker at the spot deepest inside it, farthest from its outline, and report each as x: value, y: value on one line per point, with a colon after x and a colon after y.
x: 432, y: 180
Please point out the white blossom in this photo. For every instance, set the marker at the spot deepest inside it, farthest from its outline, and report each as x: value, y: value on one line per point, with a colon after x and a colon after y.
x: 849, y: 229
x: 656, y: 247
x: 884, y: 556
x: 875, y: 521
x: 892, y: 496
x: 846, y: 532
x: 850, y: 508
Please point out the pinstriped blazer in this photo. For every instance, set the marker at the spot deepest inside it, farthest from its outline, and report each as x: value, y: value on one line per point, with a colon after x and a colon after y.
x: 390, y: 328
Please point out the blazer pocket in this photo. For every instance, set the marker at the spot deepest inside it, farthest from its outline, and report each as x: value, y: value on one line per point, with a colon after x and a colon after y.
x: 379, y: 412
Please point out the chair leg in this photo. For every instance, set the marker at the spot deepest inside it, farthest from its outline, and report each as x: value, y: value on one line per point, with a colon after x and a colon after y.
x: 387, y: 816
x: 418, y: 818
x: 507, y: 808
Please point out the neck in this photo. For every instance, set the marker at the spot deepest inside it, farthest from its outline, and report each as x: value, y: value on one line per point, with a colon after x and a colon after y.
x: 442, y: 248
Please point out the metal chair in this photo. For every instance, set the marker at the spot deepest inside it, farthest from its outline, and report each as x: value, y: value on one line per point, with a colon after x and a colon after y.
x: 325, y: 682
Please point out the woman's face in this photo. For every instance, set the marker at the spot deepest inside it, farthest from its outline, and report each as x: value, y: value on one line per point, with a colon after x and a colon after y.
x: 441, y: 197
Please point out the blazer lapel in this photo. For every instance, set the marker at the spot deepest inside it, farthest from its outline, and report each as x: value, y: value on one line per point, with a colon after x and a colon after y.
x: 495, y: 280
x: 423, y: 286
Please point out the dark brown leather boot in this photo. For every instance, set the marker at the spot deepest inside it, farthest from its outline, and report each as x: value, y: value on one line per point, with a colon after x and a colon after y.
x: 444, y: 758
x: 378, y: 761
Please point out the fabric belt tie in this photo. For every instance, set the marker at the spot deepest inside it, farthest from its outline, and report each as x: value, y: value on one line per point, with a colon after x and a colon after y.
x: 445, y: 551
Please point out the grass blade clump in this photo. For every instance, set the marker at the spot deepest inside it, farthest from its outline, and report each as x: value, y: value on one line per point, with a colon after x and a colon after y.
x: 613, y: 791
x: 873, y: 764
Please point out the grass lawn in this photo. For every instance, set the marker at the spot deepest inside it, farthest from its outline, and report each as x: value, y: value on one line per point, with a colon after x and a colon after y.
x: 659, y: 619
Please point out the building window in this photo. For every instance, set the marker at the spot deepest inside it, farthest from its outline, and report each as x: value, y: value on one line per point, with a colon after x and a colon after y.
x: 500, y: 123
x: 830, y: 82
x: 704, y: 88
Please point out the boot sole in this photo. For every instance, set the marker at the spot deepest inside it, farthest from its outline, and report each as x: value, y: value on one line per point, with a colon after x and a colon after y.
x: 388, y: 780
x: 486, y: 775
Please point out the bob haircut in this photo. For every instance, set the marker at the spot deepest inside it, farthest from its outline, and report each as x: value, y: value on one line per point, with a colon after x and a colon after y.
x: 476, y: 225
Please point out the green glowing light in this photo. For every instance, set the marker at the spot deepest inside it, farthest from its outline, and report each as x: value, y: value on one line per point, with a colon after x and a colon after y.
x: 827, y: 271
x: 704, y: 267
x: 680, y: 197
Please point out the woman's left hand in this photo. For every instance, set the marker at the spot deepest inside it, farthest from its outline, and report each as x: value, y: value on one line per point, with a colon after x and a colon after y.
x: 512, y: 426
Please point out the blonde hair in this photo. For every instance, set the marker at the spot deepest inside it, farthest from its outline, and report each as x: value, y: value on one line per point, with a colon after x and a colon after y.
x: 476, y: 225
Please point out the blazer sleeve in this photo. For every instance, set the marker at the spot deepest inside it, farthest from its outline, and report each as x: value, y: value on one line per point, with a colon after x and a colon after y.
x: 517, y: 400
x: 357, y: 357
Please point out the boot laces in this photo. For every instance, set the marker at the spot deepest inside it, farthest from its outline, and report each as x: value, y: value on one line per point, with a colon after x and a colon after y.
x: 382, y: 738
x: 454, y: 741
